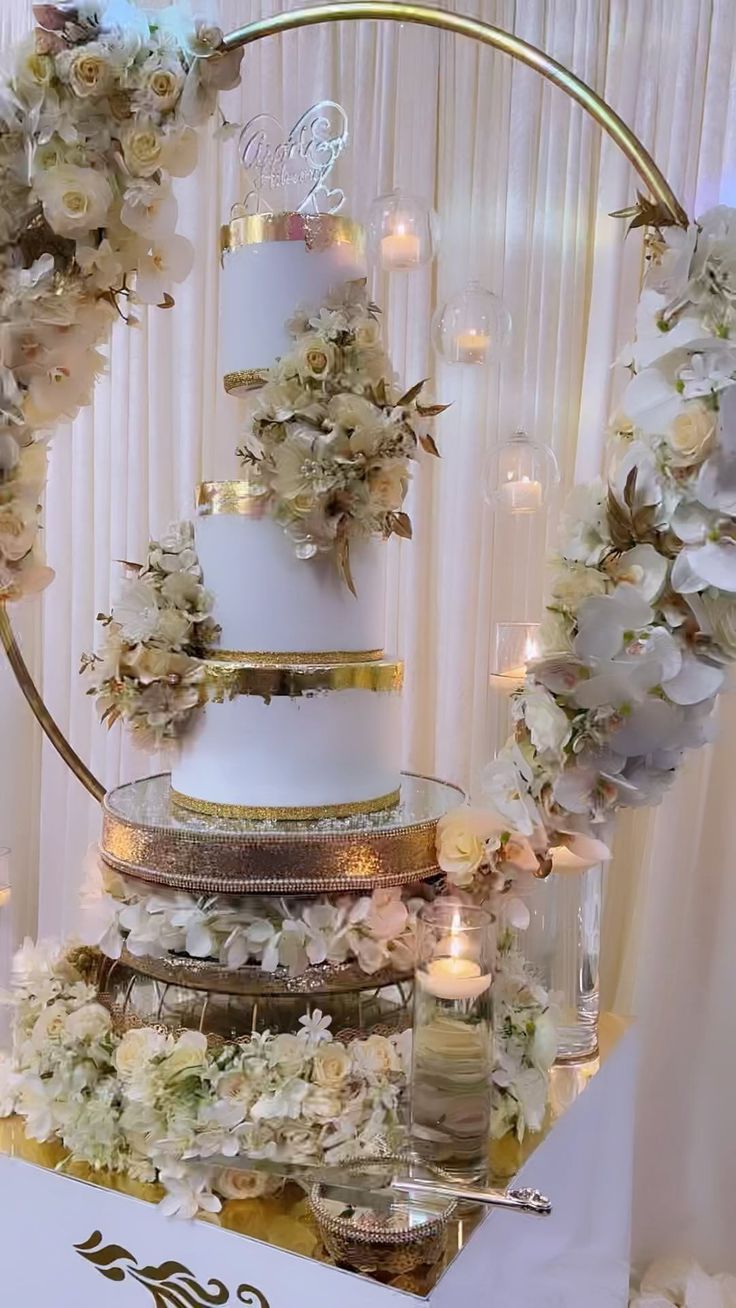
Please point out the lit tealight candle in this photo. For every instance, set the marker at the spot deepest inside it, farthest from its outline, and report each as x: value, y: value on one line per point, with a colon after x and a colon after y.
x: 454, y: 978
x: 523, y: 496
x: 472, y: 346
x: 400, y: 249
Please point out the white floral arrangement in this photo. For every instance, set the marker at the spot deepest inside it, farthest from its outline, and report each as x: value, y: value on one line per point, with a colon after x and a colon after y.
x: 682, y: 1283
x: 641, y: 624
x: 333, y: 436
x: 97, y: 114
x: 271, y: 932
x: 149, y: 671
x: 158, y: 1105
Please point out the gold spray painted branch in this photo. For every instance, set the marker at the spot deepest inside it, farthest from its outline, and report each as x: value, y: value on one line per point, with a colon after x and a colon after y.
x: 511, y: 45
x: 41, y: 713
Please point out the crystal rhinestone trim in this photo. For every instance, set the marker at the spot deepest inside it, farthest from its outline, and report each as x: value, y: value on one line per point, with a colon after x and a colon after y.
x: 204, y: 974
x: 246, y: 379
x: 210, y: 808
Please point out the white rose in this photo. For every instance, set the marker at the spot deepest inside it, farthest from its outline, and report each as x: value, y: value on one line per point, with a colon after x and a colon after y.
x: 75, y: 200
x: 574, y: 582
x: 33, y: 71
x: 180, y: 152
x: 331, y: 1065
x: 49, y: 1025
x: 236, y: 1090
x: 377, y: 1056
x: 548, y: 724
x: 163, y: 86
x: 300, y: 1143
x: 88, y: 1023
x: 137, y: 1048
x: 352, y: 411
x: 89, y: 71
x: 287, y: 1053
x: 690, y: 435
x: 143, y: 147
x: 321, y: 1104
x: 461, y: 843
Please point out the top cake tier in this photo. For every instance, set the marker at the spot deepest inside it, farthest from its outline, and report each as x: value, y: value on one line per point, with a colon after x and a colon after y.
x: 273, y: 263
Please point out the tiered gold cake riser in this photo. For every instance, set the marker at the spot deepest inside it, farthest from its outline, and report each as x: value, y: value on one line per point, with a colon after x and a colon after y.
x: 138, y: 994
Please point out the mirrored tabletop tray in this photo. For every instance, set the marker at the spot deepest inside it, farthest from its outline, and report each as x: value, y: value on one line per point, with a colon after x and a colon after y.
x: 145, y: 836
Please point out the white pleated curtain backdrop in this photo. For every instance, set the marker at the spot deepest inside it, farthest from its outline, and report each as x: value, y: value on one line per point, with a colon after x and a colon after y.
x: 524, y: 184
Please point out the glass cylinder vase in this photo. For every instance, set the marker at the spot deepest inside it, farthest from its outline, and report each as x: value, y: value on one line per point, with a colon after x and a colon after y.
x: 453, y: 1038
x: 562, y: 944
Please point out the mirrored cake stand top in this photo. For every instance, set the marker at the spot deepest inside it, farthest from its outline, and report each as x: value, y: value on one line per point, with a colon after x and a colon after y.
x: 145, y: 836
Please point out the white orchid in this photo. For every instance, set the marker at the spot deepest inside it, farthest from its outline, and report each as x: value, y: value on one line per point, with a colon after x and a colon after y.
x: 603, y: 621
x: 584, y: 533
x: 643, y: 568
x: 682, y: 1283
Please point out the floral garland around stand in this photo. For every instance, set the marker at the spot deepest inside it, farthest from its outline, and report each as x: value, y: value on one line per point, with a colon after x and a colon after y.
x: 333, y: 436
x: 149, y: 672
x: 641, y: 624
x: 115, y: 1098
x: 97, y: 115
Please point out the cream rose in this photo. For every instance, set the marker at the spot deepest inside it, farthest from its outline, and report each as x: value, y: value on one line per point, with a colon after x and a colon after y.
x: 331, y: 1065
x: 690, y: 435
x: 368, y: 334
x: 287, y: 1052
x: 387, y: 484
x: 315, y: 357
x: 33, y: 70
x: 88, y: 1023
x: 143, y: 148
x: 89, y: 71
x: 462, y: 836
x: 75, y: 200
x: 49, y: 1025
x: 136, y: 1049
x: 163, y: 86
x: 188, y: 1055
x: 574, y: 582
x: 236, y: 1089
x: 377, y: 1056
x: 321, y: 1104
x: 232, y: 1183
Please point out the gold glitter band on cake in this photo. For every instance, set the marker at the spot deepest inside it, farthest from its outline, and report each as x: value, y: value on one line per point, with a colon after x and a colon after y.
x: 246, y: 497
x: 295, y: 813
x: 250, y: 979
x: 289, y: 659
x: 247, y: 379
x: 317, y: 231
x: 226, y: 680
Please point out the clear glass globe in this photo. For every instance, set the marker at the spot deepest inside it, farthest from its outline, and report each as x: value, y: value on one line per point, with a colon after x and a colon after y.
x: 472, y: 327
x: 521, y: 475
x: 403, y: 232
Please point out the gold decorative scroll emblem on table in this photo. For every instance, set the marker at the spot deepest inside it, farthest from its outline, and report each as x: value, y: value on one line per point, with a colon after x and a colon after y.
x: 170, y: 1284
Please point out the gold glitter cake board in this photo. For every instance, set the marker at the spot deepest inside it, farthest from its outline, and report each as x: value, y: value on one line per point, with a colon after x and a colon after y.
x: 146, y: 837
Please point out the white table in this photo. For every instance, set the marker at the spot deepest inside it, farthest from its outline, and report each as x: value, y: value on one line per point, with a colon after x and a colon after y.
x: 577, y: 1258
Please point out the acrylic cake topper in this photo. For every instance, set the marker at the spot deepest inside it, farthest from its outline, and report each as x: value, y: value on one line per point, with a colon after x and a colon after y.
x: 291, y: 170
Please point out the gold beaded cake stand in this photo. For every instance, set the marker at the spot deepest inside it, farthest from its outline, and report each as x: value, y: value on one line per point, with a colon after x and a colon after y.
x: 148, y: 838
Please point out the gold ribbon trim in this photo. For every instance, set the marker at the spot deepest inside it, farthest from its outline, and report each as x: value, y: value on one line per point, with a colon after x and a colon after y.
x: 322, y: 659
x: 248, y: 379
x: 245, y: 497
x: 226, y: 680
x: 316, y: 231
x: 297, y: 813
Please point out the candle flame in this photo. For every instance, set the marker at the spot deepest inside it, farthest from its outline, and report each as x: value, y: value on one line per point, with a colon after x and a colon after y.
x: 456, y: 939
x: 401, y: 229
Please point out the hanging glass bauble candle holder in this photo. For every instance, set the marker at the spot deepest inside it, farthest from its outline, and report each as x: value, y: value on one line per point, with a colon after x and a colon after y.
x: 402, y: 232
x: 472, y: 327
x: 521, y: 475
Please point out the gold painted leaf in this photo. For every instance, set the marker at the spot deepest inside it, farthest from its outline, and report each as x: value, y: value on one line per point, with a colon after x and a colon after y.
x: 428, y: 444
x: 400, y: 524
x: 432, y: 410
x: 413, y: 392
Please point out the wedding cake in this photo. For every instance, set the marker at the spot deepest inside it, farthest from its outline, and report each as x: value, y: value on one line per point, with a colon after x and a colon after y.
x: 303, y: 707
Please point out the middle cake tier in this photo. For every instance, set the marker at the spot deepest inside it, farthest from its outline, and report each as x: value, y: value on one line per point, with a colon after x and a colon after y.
x: 294, y: 742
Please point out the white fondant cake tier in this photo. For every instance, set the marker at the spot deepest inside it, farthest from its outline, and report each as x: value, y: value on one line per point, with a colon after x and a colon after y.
x: 330, y: 750
x: 273, y: 264
x: 269, y: 601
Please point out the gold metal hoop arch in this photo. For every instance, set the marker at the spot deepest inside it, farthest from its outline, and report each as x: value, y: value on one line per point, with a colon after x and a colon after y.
x: 424, y: 16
